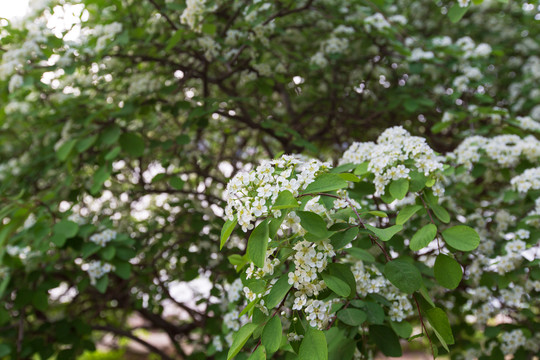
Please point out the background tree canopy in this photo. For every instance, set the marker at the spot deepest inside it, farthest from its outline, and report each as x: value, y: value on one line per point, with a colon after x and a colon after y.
x: 122, y: 122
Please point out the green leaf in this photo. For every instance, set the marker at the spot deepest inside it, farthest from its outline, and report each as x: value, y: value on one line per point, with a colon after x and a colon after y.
x: 132, y: 143
x: 418, y: 181
x: 456, y: 13
x: 101, y: 175
x: 102, y: 283
x: 259, y: 354
x: 110, y: 135
x: 285, y: 200
x: 326, y: 182
x: 111, y: 155
x: 441, y: 326
x: 337, y: 285
x: 399, y: 188
x: 123, y: 270
x: 447, y: 271
x: 344, y: 273
x: 248, y: 307
x: 343, y: 238
x: 406, y: 213
x: 278, y: 292
x: 313, y: 346
x: 240, y: 339
x: 176, y: 183
x: 227, y: 230
x: 58, y: 239
x: 360, y: 254
x: 4, y: 350
x: 85, y: 143
x: 402, y: 329
x: 339, y: 346
x: 313, y: 224
x: 108, y: 252
x: 403, y: 275
x: 362, y: 169
x: 271, y: 335
x: 343, y: 168
x: 89, y: 249
x: 40, y: 300
x: 209, y: 28
x: 258, y: 243
x: 177, y: 36
x: 349, y: 177
x: 351, y: 316
x: 385, y: 234
x: 65, y: 149
x: 375, y: 312
x: 66, y: 228
x: 386, y: 340
x: 378, y: 213
x: 440, y: 213
x: 237, y: 260
x: 423, y: 237
x: 461, y: 237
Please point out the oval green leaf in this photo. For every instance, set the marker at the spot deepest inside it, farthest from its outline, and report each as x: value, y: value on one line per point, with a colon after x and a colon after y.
x: 403, y: 275
x: 258, y: 243
x: 406, y: 213
x: 351, y: 316
x: 399, y: 188
x: 447, y: 271
x: 240, y: 339
x: 423, y: 237
x: 461, y: 237
x: 337, y: 285
x: 385, y: 234
x: 271, y: 335
x: 313, y: 346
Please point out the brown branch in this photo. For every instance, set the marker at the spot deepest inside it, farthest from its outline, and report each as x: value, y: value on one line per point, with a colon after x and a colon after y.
x: 164, y: 15
x: 423, y: 325
x: 129, y: 335
x: 282, y: 13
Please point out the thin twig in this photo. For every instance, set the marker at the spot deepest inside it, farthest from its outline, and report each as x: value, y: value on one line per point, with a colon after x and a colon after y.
x: 164, y: 15
x: 424, y: 325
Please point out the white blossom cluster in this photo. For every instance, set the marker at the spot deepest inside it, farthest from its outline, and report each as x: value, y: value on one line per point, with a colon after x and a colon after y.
x: 369, y: 280
x: 103, y: 237
x: 96, y: 269
x: 234, y: 290
x: 420, y: 54
x: 143, y: 83
x: 513, y: 297
x: 14, y: 59
x: 193, y: 13
x: 378, y: 22
x: 210, y: 46
x: 387, y: 158
x: 234, y: 321
x: 337, y: 43
x: 318, y: 312
x: 511, y: 341
x: 528, y: 123
x: 506, y: 150
x: 77, y: 218
x: 23, y: 253
x: 310, y: 259
x: 471, y: 50
x: 105, y: 34
x: 529, y: 180
x: 251, y: 194
x: 268, y: 268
